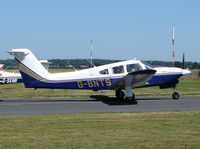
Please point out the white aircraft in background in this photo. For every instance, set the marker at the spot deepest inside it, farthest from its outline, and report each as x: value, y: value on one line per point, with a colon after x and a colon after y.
x: 9, y: 77
x: 119, y: 76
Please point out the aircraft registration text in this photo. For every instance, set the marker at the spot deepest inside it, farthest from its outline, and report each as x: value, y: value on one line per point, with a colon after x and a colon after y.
x: 94, y: 83
x: 8, y: 80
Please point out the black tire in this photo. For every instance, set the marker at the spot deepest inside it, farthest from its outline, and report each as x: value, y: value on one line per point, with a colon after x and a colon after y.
x: 135, y: 101
x: 133, y: 96
x: 175, y: 96
x: 120, y: 94
x: 131, y: 100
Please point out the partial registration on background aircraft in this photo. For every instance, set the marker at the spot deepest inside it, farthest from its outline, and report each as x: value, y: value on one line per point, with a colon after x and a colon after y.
x: 125, y: 75
x: 9, y: 77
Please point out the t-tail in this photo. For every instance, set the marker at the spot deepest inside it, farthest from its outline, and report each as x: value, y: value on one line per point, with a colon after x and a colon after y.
x: 30, y: 68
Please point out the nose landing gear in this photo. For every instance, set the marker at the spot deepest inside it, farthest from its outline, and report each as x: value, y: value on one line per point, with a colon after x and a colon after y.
x: 175, y: 95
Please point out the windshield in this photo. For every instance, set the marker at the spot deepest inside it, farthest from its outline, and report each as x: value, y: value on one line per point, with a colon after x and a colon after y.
x: 148, y: 65
x: 133, y: 67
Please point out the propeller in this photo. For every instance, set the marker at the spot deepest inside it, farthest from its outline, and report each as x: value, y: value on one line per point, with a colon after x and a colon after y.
x: 183, y: 61
x: 184, y: 71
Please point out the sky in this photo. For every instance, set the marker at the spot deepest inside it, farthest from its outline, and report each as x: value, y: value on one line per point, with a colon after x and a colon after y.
x: 120, y: 29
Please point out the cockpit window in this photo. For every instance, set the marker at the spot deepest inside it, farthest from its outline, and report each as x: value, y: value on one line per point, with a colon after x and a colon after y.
x: 118, y: 69
x: 148, y: 65
x: 105, y: 71
x: 133, y: 67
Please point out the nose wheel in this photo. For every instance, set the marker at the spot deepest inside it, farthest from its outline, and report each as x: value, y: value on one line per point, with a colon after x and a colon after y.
x: 175, y: 95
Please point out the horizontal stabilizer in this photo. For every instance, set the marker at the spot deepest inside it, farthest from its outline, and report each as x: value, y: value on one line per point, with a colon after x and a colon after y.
x: 17, y: 53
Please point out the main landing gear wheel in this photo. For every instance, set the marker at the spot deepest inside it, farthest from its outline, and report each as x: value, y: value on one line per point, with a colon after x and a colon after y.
x: 120, y: 94
x: 132, y: 99
x: 175, y: 96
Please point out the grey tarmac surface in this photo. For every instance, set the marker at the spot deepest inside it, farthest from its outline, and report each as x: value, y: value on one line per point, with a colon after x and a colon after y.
x: 96, y: 104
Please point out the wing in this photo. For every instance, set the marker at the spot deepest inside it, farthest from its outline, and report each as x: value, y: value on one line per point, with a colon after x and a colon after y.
x: 134, y: 79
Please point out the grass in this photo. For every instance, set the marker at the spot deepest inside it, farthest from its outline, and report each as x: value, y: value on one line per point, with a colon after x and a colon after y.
x: 157, y: 130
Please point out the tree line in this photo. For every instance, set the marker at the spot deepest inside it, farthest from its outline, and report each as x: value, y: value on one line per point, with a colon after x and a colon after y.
x: 83, y: 63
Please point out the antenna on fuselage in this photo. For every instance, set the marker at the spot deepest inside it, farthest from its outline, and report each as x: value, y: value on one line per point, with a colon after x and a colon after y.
x: 90, y: 63
x: 72, y: 66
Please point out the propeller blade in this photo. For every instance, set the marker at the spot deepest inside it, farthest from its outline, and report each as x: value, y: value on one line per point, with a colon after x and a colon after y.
x: 183, y: 62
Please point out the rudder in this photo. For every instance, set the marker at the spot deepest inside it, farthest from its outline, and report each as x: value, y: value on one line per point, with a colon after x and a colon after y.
x: 30, y: 68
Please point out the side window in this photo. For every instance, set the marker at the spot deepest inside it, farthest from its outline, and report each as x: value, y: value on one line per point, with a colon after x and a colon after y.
x: 105, y: 71
x: 118, y: 69
x: 133, y: 67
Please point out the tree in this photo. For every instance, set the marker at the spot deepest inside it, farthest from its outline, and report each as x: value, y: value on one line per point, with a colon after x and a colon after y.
x: 195, y: 65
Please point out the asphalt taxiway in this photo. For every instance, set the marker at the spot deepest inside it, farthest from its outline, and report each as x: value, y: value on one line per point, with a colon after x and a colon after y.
x: 96, y: 104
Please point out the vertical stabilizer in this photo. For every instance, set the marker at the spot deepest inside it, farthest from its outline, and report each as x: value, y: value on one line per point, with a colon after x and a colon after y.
x: 28, y: 64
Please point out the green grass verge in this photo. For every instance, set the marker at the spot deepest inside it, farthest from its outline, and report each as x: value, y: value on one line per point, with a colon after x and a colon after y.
x: 157, y: 130
x: 185, y: 87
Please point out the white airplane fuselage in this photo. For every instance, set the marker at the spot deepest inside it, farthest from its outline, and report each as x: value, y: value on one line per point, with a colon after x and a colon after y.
x: 9, y: 77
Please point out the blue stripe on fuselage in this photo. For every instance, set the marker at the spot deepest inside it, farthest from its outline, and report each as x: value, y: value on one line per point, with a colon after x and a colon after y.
x: 96, y: 84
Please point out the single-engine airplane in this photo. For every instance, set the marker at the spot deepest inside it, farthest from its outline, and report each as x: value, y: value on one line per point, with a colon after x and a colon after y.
x: 119, y: 76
